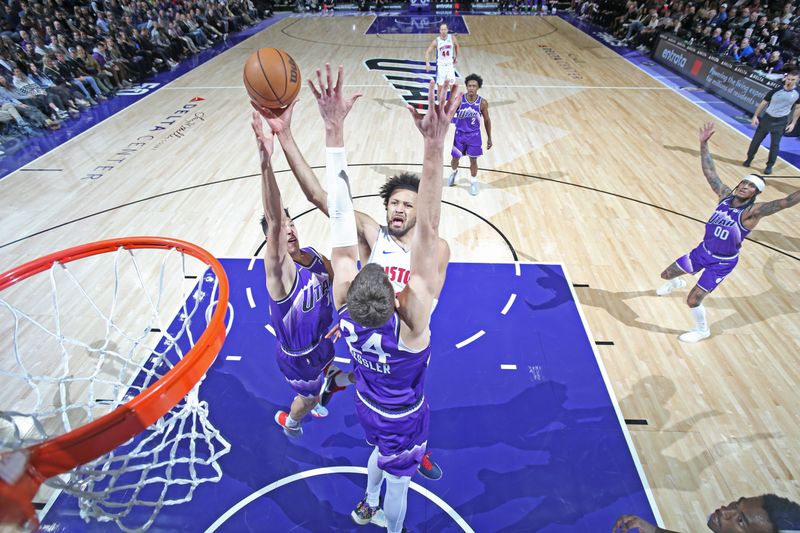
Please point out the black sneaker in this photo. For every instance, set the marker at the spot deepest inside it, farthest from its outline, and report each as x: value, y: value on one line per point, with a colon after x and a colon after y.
x: 429, y: 469
x: 330, y: 387
x: 768, y: 170
x: 747, y: 162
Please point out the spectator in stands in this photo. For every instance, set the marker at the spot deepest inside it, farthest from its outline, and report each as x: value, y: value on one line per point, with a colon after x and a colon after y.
x: 71, y: 99
x: 715, y: 41
x: 719, y: 18
x: 742, y: 51
x: 760, y: 514
x: 72, y: 72
x: 87, y: 63
x: 54, y: 101
x: 726, y: 43
x: 774, y: 63
x: 32, y: 116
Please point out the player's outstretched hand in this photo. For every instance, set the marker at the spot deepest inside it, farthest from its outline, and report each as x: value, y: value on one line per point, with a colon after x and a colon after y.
x: 279, y: 120
x: 706, y: 132
x: 332, y: 105
x: 334, y: 334
x: 629, y: 522
x: 265, y: 141
x: 434, y: 124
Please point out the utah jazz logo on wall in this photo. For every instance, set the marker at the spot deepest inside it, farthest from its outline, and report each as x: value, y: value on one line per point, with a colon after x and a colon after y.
x: 408, y: 77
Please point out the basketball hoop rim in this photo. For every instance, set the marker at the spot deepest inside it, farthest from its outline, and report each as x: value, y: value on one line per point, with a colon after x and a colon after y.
x: 98, y: 437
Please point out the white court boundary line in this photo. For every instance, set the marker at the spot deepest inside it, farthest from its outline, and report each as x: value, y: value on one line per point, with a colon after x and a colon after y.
x: 333, y: 470
x: 635, y: 456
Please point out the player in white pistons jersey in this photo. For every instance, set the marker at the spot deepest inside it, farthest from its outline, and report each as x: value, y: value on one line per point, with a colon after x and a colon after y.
x: 447, y: 54
x: 394, y: 259
x: 399, y: 195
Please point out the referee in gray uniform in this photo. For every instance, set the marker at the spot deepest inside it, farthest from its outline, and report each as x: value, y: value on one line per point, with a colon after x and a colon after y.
x: 780, y: 107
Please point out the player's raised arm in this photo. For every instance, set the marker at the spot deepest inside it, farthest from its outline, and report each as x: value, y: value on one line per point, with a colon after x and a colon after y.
x: 279, y: 266
x: 761, y: 210
x: 344, y: 237
x: 281, y: 125
x: 706, y: 160
x: 426, y: 280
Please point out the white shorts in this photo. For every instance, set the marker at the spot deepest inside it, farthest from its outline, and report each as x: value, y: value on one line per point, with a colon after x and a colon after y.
x: 445, y: 73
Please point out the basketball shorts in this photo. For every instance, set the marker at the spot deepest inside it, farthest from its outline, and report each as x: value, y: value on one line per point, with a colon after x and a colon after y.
x: 304, y: 372
x: 445, y: 73
x: 714, y: 268
x: 401, y: 439
x: 467, y: 145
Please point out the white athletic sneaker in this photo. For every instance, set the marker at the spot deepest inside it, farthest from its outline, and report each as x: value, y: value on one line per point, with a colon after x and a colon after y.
x: 319, y: 411
x: 696, y: 335
x: 473, y: 188
x: 670, y: 286
x: 451, y: 179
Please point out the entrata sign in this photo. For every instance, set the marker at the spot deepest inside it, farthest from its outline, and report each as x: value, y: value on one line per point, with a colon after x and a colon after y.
x: 736, y: 83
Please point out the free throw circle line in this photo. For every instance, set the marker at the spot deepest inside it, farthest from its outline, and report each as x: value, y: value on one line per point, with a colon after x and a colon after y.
x: 333, y: 470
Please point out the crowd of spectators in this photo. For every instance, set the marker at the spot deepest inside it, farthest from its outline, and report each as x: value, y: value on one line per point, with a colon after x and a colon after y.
x: 766, y: 38
x: 59, y: 57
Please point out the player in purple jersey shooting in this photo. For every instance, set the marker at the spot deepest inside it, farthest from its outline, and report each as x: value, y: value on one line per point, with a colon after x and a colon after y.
x: 388, y: 335
x: 734, y: 218
x: 467, y: 140
x: 298, y: 283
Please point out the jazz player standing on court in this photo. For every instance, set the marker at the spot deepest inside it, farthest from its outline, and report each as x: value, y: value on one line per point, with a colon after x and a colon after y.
x: 447, y: 53
x: 388, y: 335
x: 467, y: 140
x: 299, y: 288
x: 734, y: 218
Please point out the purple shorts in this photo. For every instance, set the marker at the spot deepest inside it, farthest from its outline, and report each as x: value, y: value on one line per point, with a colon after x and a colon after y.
x: 401, y: 439
x: 467, y: 145
x: 304, y: 372
x: 714, y: 268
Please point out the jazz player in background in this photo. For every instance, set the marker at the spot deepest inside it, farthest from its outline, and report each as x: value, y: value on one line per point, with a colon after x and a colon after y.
x: 467, y: 140
x: 734, y: 218
x: 388, y: 334
x: 447, y: 54
x: 299, y: 288
x: 388, y: 246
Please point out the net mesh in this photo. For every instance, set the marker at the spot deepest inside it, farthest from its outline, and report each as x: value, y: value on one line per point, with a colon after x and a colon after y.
x: 111, y: 326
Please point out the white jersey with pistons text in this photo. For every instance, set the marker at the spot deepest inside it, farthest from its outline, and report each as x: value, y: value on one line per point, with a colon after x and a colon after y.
x: 393, y: 258
x: 444, y: 51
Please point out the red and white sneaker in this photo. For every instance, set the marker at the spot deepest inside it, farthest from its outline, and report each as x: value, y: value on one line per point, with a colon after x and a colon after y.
x: 319, y: 411
x: 280, y: 418
x: 429, y: 469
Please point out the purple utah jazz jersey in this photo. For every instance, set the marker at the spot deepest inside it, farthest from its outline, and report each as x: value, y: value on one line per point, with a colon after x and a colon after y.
x: 306, y: 314
x: 724, y: 230
x: 468, y: 117
x: 388, y: 375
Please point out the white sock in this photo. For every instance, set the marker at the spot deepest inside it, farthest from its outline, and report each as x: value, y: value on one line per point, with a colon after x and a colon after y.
x: 374, y: 479
x: 699, y: 314
x: 291, y: 422
x: 473, y: 179
x: 342, y: 379
x: 394, y: 505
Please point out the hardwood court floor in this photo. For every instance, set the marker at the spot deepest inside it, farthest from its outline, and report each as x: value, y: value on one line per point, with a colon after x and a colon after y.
x: 594, y: 165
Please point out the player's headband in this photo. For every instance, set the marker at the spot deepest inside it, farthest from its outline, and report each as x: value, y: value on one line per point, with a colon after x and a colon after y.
x: 755, y: 180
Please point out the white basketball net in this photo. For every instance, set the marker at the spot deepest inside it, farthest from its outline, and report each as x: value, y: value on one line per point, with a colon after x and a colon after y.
x: 74, y: 345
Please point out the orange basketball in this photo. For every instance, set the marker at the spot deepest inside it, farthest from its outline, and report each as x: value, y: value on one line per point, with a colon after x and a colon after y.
x: 271, y: 77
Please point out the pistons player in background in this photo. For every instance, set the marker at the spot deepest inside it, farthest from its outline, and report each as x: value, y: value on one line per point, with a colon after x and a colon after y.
x: 387, y: 245
x: 447, y: 54
x: 300, y: 303
x: 467, y: 140
x: 734, y: 218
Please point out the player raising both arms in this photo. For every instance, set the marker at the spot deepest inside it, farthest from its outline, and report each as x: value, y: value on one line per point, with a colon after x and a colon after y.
x: 447, y: 54
x: 467, y: 140
x: 734, y: 218
x: 388, y: 334
x: 298, y: 285
x: 389, y: 245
